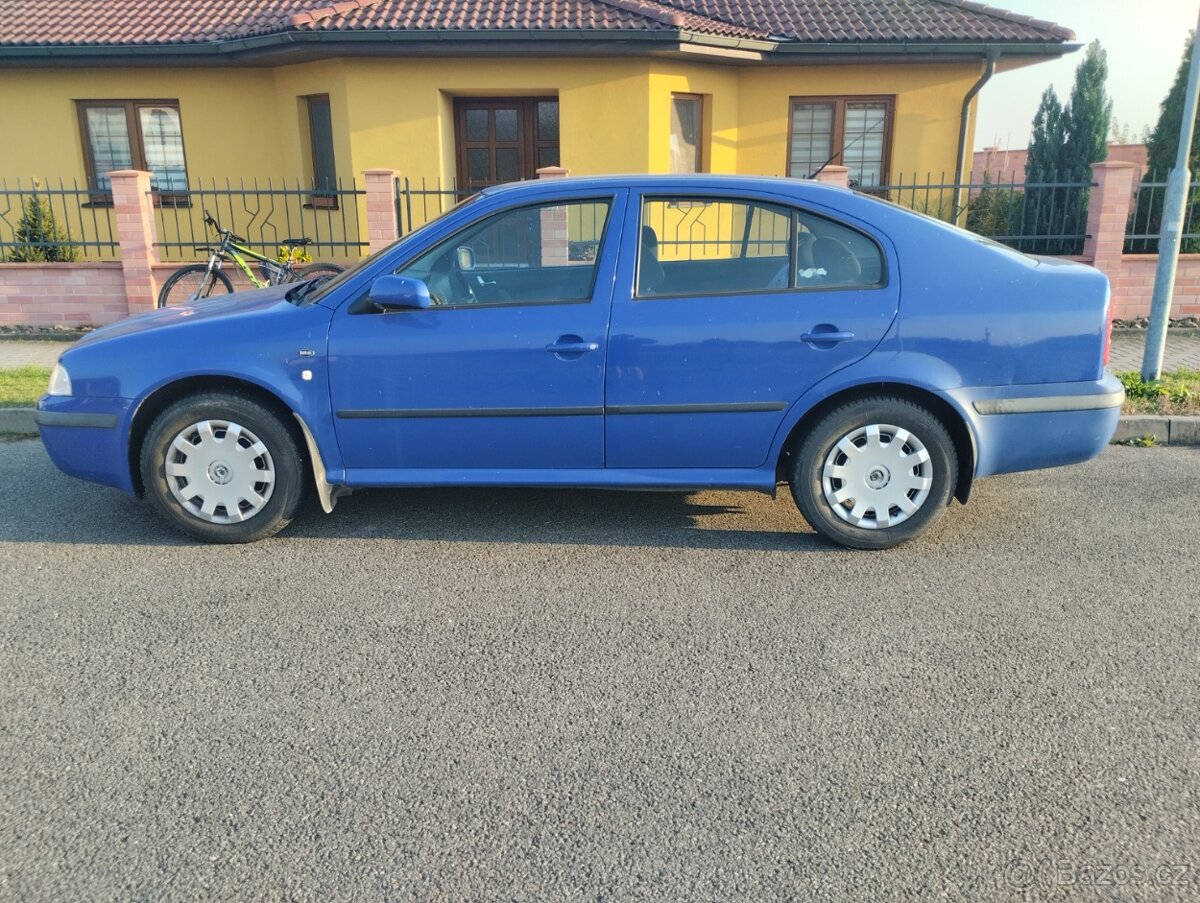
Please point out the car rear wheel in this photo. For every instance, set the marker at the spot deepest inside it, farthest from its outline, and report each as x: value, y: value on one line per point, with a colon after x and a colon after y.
x: 222, y: 468
x: 874, y: 472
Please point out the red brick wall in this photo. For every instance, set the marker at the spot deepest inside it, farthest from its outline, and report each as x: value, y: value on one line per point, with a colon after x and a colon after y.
x: 61, y: 294
x: 1009, y: 165
x: 1133, y: 286
x: 77, y: 294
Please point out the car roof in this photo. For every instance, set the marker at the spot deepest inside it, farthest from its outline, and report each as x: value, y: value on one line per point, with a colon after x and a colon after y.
x: 672, y: 182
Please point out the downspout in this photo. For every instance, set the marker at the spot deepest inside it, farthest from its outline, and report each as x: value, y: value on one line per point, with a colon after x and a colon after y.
x: 989, y: 70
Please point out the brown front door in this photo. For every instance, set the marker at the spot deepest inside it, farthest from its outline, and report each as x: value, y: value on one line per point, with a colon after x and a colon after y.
x: 504, y: 139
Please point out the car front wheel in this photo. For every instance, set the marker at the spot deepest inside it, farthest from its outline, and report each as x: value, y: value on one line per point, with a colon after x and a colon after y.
x: 874, y: 472
x: 222, y: 468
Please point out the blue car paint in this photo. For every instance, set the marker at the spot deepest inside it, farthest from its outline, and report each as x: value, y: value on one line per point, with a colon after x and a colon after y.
x: 754, y: 342
x: 958, y: 318
x: 476, y: 359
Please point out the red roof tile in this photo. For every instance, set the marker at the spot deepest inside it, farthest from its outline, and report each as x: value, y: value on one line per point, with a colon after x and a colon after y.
x: 525, y: 15
x: 879, y: 20
x: 123, y: 22
x: 158, y: 22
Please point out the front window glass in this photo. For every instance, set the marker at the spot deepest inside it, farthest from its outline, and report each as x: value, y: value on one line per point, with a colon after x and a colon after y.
x: 539, y: 254
x: 322, y: 288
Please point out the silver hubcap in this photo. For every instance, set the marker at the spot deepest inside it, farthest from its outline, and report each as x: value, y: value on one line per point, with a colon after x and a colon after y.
x: 219, y: 471
x: 877, y: 476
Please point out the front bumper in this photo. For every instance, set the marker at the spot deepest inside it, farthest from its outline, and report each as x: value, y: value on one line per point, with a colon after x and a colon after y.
x: 86, y: 437
x: 1034, y: 426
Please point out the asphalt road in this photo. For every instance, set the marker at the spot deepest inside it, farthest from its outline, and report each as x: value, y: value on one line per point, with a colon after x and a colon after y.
x: 476, y: 695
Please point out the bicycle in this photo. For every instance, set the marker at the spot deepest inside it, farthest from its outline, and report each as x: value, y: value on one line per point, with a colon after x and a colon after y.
x: 199, y: 280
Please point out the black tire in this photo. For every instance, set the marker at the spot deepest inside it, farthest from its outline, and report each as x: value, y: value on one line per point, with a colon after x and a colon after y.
x: 239, y: 464
x: 878, y: 478
x: 313, y: 270
x: 190, y: 284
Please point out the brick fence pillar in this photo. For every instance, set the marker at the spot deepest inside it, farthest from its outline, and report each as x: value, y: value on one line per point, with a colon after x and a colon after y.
x: 1108, y: 213
x: 133, y: 212
x: 556, y: 248
x: 835, y: 175
x: 383, y: 223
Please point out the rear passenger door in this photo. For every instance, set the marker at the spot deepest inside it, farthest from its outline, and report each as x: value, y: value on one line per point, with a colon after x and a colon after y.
x: 733, y: 307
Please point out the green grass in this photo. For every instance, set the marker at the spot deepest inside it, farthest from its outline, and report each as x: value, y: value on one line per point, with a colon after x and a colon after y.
x: 22, y: 387
x: 1174, y: 393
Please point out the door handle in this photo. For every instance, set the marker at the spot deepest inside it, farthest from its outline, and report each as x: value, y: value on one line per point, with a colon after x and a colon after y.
x: 826, y: 338
x: 578, y: 346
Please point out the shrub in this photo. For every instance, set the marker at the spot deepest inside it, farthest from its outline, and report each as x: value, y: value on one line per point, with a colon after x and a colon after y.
x: 39, y: 236
x: 995, y: 211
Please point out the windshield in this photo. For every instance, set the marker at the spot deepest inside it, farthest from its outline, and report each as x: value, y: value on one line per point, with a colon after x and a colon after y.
x: 313, y: 292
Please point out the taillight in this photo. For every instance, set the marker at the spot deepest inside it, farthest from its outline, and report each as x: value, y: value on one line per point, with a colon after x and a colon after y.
x: 1107, y: 327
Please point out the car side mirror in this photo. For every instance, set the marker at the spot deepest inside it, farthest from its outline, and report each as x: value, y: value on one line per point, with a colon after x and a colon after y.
x: 465, y: 258
x: 400, y: 293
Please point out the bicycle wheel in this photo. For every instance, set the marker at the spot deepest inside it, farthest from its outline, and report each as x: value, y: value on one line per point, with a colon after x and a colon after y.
x: 192, y: 283
x: 318, y: 270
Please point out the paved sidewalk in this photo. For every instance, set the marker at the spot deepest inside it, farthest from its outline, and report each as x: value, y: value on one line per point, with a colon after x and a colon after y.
x: 1127, y: 348
x: 14, y: 353
x: 1182, y: 351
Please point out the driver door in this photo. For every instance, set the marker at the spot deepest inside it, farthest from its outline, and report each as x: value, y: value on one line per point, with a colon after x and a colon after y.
x: 506, y: 370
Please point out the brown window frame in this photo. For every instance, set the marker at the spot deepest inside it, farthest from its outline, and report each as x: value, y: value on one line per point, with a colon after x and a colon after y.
x: 701, y: 126
x: 527, y: 143
x: 101, y: 198
x: 838, y: 129
x: 320, y: 199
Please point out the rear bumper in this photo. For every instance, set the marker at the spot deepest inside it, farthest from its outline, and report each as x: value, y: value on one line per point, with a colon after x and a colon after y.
x: 1031, y: 427
x: 85, y: 437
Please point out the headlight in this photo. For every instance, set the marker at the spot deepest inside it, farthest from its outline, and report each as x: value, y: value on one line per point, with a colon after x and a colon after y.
x: 60, y: 382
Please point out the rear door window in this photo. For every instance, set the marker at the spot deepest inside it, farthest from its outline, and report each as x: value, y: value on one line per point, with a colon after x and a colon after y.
x: 693, y: 246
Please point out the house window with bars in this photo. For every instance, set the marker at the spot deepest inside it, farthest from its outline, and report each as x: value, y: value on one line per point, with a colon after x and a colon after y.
x: 854, y: 132
x: 134, y: 134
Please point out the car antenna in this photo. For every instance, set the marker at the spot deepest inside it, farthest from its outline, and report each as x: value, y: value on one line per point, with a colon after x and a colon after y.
x: 816, y: 172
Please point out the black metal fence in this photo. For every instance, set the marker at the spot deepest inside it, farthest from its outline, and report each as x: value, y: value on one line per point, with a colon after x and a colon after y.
x: 264, y: 214
x: 1047, y: 215
x: 1145, y: 217
x: 419, y: 202
x: 62, y: 220
x: 54, y: 220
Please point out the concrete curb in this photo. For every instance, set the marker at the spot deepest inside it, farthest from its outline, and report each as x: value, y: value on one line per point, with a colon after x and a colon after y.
x: 17, y: 422
x: 1165, y: 430
x: 65, y: 338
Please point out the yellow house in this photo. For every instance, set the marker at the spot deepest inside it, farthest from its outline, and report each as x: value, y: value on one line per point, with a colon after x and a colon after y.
x: 466, y: 93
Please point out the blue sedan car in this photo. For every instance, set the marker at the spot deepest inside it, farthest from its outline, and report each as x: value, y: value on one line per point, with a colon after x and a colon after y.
x: 646, y: 332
